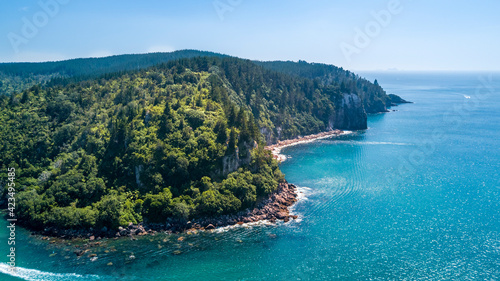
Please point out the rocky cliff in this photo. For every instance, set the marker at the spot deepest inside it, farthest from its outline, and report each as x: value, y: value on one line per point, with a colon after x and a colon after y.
x: 349, y: 115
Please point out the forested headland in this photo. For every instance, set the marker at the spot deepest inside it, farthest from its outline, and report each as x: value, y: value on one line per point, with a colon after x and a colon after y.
x: 183, y: 139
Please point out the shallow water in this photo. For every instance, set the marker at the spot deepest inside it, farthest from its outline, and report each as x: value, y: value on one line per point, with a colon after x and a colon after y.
x: 414, y: 197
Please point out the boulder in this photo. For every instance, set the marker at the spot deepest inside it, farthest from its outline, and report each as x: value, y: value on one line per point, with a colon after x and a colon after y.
x: 79, y: 252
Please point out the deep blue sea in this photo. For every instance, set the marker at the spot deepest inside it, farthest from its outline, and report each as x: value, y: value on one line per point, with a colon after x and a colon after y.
x: 414, y: 197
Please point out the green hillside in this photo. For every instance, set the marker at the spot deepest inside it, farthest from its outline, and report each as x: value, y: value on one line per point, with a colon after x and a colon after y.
x: 374, y: 97
x: 183, y: 139
x: 140, y: 146
x: 15, y: 77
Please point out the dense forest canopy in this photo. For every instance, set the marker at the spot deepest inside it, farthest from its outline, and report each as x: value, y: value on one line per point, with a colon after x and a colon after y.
x: 141, y: 146
x: 15, y: 77
x: 374, y: 97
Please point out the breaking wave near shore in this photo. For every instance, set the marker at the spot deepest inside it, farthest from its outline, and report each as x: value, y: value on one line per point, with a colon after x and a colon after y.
x: 37, y: 275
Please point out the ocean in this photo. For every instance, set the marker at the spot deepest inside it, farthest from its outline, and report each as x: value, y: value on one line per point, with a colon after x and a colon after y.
x: 414, y: 197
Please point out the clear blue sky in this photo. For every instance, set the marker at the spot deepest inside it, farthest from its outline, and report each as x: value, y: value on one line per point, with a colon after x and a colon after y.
x: 420, y: 35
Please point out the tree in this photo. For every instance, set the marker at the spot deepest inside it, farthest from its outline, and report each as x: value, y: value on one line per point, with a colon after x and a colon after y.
x: 220, y: 130
x: 166, y: 121
x: 158, y: 206
x: 233, y: 140
x: 240, y: 185
x: 213, y: 203
x: 109, y: 211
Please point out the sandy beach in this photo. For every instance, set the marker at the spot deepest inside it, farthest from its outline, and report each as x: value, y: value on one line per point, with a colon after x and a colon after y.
x: 276, y: 148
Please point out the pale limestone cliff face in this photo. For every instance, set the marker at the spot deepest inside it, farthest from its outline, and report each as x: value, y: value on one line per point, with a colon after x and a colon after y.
x: 231, y: 163
x: 268, y: 135
x: 350, y: 114
x: 138, y: 170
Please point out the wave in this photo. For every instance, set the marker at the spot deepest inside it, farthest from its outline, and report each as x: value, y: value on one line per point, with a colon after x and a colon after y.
x: 37, y: 275
x: 302, y: 193
x: 247, y: 225
x: 332, y: 190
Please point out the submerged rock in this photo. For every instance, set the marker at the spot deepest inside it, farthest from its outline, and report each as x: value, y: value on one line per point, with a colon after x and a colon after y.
x: 79, y: 252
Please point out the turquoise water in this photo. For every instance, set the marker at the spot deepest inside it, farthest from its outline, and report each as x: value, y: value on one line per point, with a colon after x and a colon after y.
x: 414, y: 197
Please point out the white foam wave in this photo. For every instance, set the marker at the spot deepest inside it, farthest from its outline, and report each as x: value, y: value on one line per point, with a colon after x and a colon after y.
x: 302, y: 193
x: 37, y: 275
x: 245, y: 225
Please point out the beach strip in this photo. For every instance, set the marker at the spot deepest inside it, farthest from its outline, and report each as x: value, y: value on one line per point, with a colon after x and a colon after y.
x: 276, y: 148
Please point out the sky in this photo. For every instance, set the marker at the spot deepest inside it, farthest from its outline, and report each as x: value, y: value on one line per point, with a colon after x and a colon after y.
x: 423, y: 35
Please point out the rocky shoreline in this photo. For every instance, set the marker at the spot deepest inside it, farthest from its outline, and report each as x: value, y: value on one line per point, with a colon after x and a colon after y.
x: 273, y: 208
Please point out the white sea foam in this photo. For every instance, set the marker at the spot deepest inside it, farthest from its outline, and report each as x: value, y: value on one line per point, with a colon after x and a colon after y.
x: 37, y: 275
x: 245, y: 225
x: 302, y: 193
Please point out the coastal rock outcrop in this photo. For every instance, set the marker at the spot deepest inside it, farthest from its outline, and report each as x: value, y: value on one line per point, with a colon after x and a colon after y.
x: 395, y: 100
